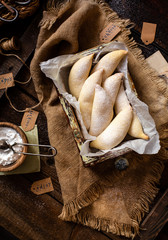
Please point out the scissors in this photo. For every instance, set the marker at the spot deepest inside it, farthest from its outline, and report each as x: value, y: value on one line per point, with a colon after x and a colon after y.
x: 11, y: 9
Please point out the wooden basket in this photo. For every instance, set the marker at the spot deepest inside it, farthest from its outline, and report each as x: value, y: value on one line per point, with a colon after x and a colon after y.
x: 87, y: 161
x: 78, y: 136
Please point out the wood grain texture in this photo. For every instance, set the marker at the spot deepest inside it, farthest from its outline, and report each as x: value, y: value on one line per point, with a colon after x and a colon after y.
x: 156, y: 219
x: 152, y: 11
x: 115, y: 237
x: 82, y: 233
x: 163, y: 234
x: 5, y: 235
x: 28, y: 216
x: 27, y: 45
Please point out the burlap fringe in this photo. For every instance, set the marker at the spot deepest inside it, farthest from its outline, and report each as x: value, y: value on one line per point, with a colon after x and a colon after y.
x: 71, y: 211
x: 149, y: 192
x: 56, y: 5
x: 122, y: 229
x: 83, y: 200
x: 56, y: 9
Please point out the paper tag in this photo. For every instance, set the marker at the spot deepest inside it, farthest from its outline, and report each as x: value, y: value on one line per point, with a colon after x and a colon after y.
x: 159, y: 63
x: 29, y: 120
x: 148, y: 32
x: 6, y: 80
x: 109, y: 33
x: 42, y: 186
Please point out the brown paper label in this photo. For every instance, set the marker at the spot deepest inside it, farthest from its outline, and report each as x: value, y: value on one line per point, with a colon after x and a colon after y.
x: 109, y: 33
x: 42, y: 186
x: 6, y: 80
x: 148, y: 32
x: 29, y: 120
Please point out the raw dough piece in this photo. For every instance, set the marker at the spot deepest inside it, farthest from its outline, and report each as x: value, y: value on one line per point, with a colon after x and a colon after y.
x: 115, y: 132
x: 109, y: 62
x: 136, y: 130
x: 102, y: 111
x: 112, y: 85
x: 78, y: 74
x: 87, y: 95
x: 121, y: 100
x: 121, y: 103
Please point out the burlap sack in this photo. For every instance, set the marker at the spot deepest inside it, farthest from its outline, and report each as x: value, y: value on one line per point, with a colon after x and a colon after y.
x: 99, y: 197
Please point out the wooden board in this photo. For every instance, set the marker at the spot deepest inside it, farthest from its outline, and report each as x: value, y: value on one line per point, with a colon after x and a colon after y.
x: 26, y: 215
x: 152, y: 11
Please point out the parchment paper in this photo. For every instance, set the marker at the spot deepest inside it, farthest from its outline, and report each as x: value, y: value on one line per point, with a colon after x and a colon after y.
x: 58, y: 70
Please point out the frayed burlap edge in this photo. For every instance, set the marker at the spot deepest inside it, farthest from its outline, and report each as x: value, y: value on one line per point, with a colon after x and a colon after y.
x: 55, y: 9
x: 71, y: 211
x: 83, y: 200
x: 149, y: 192
x: 108, y: 225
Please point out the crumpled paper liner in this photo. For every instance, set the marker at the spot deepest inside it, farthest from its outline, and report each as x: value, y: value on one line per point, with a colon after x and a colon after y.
x: 58, y: 70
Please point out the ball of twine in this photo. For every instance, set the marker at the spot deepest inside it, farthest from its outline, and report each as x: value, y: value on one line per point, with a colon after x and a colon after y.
x: 7, y: 44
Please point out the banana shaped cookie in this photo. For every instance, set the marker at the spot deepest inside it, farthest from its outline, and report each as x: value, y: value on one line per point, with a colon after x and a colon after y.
x: 87, y: 95
x: 115, y: 132
x: 78, y: 74
x: 136, y: 130
x: 102, y: 111
x: 109, y: 62
x: 112, y: 85
x: 121, y: 103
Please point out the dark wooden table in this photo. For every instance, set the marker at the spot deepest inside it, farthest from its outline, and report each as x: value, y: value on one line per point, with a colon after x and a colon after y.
x: 23, y: 215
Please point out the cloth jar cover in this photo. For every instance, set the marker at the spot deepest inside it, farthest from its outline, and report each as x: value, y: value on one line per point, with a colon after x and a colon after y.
x: 101, y: 197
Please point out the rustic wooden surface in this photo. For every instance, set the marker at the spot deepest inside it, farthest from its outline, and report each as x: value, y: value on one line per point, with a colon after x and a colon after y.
x: 24, y: 215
